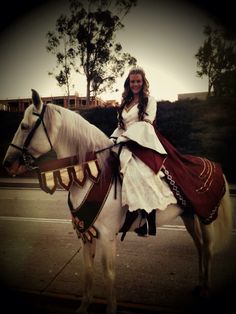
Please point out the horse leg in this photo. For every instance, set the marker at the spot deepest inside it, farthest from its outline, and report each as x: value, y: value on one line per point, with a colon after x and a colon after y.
x: 88, y: 259
x: 108, y: 263
x: 207, y: 236
x: 192, y: 225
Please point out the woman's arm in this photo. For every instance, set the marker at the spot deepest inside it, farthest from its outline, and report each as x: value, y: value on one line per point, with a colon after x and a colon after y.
x: 151, y: 110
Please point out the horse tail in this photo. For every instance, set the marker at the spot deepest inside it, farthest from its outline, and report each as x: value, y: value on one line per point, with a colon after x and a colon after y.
x: 222, y: 226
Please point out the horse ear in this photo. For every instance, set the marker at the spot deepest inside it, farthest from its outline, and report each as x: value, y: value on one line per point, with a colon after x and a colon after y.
x: 37, y: 101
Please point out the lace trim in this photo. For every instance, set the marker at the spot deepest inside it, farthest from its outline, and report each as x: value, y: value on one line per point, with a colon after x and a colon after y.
x: 174, y: 187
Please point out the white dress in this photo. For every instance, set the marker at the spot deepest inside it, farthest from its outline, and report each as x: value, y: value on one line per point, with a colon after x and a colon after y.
x: 141, y: 187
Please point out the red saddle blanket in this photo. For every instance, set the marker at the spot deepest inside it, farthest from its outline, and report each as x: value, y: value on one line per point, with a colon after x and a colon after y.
x: 197, y: 183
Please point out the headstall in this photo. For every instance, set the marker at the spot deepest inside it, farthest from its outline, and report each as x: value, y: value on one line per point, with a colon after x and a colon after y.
x: 27, y: 158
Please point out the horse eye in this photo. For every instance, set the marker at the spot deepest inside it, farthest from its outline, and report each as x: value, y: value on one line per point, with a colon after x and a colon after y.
x: 24, y: 126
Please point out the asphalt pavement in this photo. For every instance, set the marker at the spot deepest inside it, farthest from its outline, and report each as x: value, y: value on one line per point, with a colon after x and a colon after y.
x: 42, y: 270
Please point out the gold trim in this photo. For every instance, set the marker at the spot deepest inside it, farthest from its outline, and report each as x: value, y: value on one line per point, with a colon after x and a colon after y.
x: 58, y: 169
x: 88, y: 236
x: 91, y: 169
x: 65, y: 178
x: 93, y: 231
x: 204, y: 166
x: 50, y: 181
x: 205, y: 187
x: 79, y: 173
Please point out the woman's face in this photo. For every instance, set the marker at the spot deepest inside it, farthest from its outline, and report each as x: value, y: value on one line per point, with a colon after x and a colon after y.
x: 136, y: 83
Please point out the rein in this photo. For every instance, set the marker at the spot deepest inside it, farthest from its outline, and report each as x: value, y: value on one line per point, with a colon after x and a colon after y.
x: 103, y: 149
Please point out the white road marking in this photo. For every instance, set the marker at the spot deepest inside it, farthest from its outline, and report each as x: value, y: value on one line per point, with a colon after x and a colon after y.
x: 67, y: 221
x: 31, y: 219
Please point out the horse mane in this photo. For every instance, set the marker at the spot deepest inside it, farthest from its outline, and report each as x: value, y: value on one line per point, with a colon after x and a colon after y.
x: 80, y: 134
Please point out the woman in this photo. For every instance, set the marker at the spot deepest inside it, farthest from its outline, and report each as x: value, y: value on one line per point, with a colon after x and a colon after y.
x: 143, y: 185
x: 154, y: 173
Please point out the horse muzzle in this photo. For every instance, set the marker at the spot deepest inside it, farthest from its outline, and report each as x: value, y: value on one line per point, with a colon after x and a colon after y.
x: 14, y: 168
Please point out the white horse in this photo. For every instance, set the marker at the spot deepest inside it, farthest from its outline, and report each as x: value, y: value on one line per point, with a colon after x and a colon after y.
x: 49, y: 126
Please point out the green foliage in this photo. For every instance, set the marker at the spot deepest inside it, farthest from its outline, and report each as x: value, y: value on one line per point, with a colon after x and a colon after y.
x: 101, y: 57
x: 85, y: 41
x: 61, y: 44
x: 202, y: 128
x: 216, y: 59
x: 225, y: 85
x: 104, y: 118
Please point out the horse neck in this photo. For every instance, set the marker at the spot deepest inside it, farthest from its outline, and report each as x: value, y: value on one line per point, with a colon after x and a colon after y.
x: 78, y: 137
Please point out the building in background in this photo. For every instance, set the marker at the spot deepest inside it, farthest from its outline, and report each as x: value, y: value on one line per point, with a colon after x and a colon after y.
x: 73, y: 102
x: 189, y: 96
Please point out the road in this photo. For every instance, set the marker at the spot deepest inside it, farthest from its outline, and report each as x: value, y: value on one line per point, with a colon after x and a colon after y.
x: 40, y: 252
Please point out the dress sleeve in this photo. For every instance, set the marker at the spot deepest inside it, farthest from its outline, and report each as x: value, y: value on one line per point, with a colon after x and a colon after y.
x: 151, y: 110
x: 116, y: 133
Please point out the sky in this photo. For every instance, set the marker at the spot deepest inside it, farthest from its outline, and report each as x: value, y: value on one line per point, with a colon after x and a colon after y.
x: 163, y: 36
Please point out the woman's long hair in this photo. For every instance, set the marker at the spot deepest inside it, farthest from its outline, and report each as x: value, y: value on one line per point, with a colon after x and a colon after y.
x: 127, y: 96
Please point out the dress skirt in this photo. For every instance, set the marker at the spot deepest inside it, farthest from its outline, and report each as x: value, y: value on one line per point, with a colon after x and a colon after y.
x: 141, y: 187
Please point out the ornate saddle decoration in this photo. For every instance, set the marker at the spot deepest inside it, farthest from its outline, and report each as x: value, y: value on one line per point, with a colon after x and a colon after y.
x: 84, y: 216
x: 62, y: 172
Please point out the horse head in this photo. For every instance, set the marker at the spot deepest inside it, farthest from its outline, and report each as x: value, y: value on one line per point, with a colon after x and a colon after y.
x: 33, y: 138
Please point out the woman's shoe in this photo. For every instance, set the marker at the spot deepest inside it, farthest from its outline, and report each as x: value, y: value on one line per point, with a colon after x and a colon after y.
x: 149, y: 228
x: 142, y: 231
x: 151, y: 218
x: 129, y: 219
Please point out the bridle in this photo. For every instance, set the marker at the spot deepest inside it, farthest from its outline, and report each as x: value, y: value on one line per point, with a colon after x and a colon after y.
x: 27, y: 158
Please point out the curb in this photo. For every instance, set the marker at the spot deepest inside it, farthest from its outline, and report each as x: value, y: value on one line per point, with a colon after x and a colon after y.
x: 43, y: 302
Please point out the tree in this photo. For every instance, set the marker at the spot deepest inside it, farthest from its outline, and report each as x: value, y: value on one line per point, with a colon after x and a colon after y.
x: 226, y: 84
x: 61, y: 44
x: 91, y: 30
x: 216, y: 57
